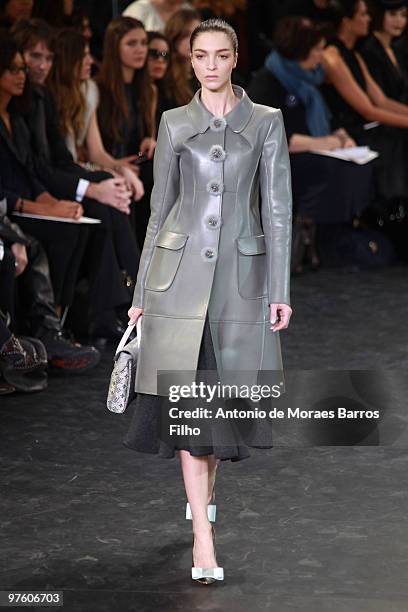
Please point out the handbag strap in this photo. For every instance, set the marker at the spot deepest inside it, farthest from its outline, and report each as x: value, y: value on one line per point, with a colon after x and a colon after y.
x: 127, y: 333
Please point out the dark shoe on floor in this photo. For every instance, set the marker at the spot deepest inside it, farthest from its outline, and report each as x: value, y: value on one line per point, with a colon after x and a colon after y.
x: 65, y: 354
x: 23, y: 364
x: 21, y: 355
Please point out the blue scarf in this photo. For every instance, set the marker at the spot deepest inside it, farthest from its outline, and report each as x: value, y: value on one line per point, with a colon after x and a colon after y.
x: 303, y: 84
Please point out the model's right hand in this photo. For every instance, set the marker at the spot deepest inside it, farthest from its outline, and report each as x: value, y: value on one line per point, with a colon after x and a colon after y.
x: 134, y: 313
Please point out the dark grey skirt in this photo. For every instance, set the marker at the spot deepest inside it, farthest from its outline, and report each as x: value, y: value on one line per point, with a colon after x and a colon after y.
x: 229, y: 439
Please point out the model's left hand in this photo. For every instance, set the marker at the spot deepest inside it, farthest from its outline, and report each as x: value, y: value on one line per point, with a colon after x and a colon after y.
x: 284, y: 311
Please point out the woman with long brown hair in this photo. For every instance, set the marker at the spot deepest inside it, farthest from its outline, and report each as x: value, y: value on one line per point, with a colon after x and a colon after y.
x: 128, y: 100
x: 181, y: 76
x: 76, y: 98
x: 126, y: 109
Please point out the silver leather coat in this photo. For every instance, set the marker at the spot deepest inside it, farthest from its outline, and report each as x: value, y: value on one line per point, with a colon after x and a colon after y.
x: 211, y: 244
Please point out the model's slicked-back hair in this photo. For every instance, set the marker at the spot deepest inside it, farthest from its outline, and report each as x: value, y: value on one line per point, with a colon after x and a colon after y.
x: 216, y: 25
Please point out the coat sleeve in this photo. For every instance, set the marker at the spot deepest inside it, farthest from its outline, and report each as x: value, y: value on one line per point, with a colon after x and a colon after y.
x: 166, y: 187
x: 276, y: 209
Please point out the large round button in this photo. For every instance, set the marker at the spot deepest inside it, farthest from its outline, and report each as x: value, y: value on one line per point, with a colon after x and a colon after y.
x: 217, y: 153
x: 213, y: 221
x: 209, y: 253
x: 215, y: 187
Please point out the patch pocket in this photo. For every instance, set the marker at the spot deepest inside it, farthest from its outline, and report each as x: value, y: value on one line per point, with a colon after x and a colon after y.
x: 251, y: 261
x: 166, y: 258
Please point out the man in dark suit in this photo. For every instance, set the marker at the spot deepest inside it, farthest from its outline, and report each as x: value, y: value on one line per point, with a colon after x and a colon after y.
x: 24, y: 267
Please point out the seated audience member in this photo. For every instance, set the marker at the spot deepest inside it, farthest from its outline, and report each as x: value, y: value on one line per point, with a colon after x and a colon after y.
x: 25, y: 274
x: 127, y: 101
x: 24, y: 192
x: 76, y: 98
x: 158, y: 61
x: 12, y: 11
x: 326, y: 190
x: 360, y: 105
x: 53, y: 162
x: 125, y: 110
x: 181, y: 76
x: 386, y: 66
x: 154, y: 13
x: 111, y: 246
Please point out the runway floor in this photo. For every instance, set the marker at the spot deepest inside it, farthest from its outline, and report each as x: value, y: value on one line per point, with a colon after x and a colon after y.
x: 314, y: 529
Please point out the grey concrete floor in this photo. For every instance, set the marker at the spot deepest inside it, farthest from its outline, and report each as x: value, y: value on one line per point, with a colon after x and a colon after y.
x: 299, y: 527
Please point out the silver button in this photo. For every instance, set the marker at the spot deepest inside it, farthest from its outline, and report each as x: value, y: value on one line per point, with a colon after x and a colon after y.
x: 217, y: 123
x: 208, y: 253
x: 213, y: 221
x: 217, y: 153
x: 215, y: 187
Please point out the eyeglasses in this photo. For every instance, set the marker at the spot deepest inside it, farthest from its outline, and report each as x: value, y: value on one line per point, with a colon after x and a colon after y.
x: 155, y: 54
x: 14, y: 70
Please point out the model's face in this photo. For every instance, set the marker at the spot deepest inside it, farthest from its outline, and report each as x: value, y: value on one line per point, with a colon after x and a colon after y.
x: 19, y: 9
x: 86, y: 65
x: 315, y: 56
x: 182, y: 44
x: 213, y: 59
x: 158, y: 58
x: 133, y: 49
x: 39, y: 61
x: 360, y: 22
x: 13, y: 79
x: 395, y: 22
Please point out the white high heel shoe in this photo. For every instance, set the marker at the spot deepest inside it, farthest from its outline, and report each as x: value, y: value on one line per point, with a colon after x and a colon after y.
x: 207, y: 575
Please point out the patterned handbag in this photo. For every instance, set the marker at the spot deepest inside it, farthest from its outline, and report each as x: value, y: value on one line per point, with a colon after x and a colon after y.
x: 122, y: 383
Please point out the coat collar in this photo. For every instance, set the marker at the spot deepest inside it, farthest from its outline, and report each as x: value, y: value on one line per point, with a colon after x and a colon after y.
x: 236, y: 119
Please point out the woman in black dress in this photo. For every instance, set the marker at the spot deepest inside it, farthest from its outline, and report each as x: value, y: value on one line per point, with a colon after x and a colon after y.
x: 126, y: 105
x: 360, y: 105
x: 384, y: 62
